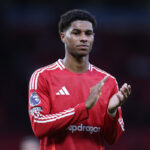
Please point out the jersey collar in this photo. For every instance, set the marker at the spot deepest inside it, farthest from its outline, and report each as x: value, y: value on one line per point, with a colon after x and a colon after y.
x: 63, y: 67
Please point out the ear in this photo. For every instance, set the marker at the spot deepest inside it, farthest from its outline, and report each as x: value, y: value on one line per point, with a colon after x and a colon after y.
x: 62, y: 36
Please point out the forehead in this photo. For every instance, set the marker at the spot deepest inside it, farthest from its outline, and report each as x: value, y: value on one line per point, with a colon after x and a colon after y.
x: 81, y: 25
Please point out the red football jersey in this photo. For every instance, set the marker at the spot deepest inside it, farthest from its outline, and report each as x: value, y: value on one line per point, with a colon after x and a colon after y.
x: 57, y: 109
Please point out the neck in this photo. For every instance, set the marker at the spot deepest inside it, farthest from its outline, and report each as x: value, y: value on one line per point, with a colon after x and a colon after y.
x: 74, y: 64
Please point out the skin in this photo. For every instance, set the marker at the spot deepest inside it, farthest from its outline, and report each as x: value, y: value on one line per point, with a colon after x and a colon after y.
x: 77, y: 56
x: 78, y: 41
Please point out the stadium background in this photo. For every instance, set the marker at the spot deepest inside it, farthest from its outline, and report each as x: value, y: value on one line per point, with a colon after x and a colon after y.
x: 30, y: 40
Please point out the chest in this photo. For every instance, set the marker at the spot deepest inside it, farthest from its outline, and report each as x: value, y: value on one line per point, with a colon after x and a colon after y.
x: 68, y: 91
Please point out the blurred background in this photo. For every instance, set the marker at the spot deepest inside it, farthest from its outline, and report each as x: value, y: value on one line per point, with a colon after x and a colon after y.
x: 30, y: 40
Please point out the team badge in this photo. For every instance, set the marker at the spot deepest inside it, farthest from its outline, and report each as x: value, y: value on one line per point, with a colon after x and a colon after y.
x: 34, y: 99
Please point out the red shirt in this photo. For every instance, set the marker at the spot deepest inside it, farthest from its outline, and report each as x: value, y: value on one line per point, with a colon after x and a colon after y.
x: 57, y: 109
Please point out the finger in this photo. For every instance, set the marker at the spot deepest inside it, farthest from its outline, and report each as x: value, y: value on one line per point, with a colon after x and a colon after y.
x: 124, y: 93
x: 102, y: 82
x: 121, y: 98
x: 129, y: 89
x: 105, y: 79
x: 126, y: 89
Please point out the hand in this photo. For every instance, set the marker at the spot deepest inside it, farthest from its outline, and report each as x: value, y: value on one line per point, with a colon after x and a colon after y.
x: 118, y: 99
x: 95, y: 93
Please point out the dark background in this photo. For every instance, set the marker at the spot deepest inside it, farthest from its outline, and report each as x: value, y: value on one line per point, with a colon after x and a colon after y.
x: 30, y: 40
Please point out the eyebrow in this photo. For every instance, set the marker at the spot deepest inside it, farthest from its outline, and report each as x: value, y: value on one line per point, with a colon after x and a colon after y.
x: 88, y: 30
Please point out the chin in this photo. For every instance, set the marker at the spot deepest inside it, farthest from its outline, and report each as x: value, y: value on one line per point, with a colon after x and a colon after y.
x: 81, y: 54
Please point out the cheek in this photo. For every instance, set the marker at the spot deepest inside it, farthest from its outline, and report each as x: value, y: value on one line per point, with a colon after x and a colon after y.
x: 67, y: 42
x: 91, y: 40
x: 71, y: 41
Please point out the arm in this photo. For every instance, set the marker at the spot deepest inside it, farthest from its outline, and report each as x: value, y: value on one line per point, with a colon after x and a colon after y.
x: 43, y: 122
x: 113, y: 127
x: 113, y: 124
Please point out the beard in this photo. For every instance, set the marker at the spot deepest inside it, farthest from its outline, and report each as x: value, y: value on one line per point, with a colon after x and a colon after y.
x: 79, y: 53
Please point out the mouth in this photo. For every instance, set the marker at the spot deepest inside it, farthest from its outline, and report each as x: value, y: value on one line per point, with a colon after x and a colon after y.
x: 83, y: 46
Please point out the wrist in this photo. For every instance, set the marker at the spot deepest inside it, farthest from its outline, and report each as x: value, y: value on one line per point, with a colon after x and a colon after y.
x: 112, y: 113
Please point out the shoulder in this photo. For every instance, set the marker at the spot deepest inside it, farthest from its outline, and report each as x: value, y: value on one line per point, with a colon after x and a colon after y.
x: 102, y: 72
x: 47, y: 69
x: 112, y: 80
x: 40, y: 74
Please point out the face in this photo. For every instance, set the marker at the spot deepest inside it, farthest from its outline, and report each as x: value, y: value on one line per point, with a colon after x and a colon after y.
x: 78, y: 38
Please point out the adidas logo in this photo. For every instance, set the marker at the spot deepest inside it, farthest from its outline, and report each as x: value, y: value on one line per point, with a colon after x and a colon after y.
x: 63, y: 91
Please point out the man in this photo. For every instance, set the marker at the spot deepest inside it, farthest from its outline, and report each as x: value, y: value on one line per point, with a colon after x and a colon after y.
x: 74, y: 105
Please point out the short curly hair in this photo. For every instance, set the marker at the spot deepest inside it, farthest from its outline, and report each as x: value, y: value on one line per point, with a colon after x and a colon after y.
x: 76, y: 14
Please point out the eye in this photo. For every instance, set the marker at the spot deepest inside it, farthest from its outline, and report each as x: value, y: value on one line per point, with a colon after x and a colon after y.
x: 89, y: 33
x: 76, y: 32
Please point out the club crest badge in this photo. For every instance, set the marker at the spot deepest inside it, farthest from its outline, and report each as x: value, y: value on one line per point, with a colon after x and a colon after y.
x: 34, y: 99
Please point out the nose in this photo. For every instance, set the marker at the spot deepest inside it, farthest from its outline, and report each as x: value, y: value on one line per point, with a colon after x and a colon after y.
x: 83, y: 38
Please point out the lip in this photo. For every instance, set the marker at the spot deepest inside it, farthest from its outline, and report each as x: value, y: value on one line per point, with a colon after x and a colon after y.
x: 83, y: 46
